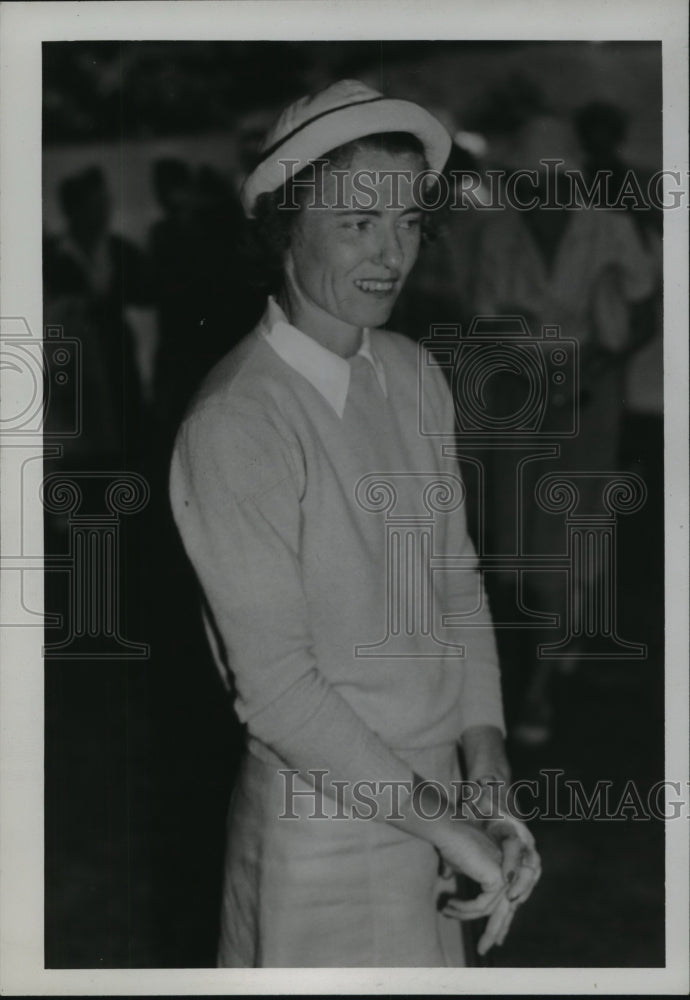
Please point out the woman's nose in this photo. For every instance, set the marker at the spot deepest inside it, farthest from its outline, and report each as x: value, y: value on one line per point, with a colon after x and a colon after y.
x: 391, y: 254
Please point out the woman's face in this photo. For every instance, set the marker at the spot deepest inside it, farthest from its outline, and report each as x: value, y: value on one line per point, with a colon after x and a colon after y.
x: 351, y: 259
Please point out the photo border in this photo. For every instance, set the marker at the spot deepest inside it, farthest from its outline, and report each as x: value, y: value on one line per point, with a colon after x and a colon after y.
x: 24, y: 27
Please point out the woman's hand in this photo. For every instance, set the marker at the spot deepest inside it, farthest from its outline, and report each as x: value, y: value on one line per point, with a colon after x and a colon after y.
x: 497, y: 926
x: 520, y: 861
x: 520, y: 871
x: 471, y: 852
x: 487, y: 869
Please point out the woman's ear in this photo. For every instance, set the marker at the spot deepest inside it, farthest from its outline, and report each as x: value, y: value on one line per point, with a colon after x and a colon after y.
x: 289, y: 266
x: 289, y: 282
x: 289, y: 294
x: 290, y: 278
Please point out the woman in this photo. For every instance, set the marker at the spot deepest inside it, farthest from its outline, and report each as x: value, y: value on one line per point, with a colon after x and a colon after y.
x: 272, y: 490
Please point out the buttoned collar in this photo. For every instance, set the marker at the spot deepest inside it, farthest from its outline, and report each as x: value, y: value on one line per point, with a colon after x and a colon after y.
x: 325, y: 370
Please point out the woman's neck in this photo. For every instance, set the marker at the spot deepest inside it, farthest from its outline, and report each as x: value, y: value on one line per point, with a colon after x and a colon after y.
x: 332, y: 333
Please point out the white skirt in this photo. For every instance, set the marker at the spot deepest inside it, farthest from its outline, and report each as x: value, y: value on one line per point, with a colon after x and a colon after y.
x: 330, y: 892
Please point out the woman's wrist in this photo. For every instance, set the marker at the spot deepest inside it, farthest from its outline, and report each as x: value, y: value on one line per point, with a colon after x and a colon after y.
x: 447, y: 829
x: 485, y: 755
x: 428, y: 813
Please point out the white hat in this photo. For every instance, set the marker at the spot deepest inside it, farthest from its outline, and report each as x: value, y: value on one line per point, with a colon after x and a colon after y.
x: 345, y: 111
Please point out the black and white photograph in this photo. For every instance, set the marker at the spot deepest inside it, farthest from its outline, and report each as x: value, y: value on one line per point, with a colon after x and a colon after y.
x: 344, y: 497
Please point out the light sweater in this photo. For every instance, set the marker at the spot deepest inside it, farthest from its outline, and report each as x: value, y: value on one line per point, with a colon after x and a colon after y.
x: 294, y: 563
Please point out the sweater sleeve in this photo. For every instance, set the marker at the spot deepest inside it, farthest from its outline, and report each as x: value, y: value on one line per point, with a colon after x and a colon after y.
x: 464, y: 594
x: 235, y: 494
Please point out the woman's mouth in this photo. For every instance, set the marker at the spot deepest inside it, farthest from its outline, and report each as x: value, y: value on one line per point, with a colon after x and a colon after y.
x: 376, y: 286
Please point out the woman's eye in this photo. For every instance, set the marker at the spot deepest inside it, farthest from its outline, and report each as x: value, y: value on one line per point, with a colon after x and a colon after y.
x: 412, y: 223
x: 357, y: 225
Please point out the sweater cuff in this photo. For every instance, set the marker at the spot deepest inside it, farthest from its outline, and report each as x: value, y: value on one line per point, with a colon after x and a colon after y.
x: 325, y: 733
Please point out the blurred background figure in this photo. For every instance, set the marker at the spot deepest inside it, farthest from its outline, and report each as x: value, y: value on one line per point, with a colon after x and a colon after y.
x: 439, y: 286
x: 602, y: 129
x: 587, y: 271
x: 231, y: 304
x: 203, y: 301
x: 172, y: 248
x: 91, y: 275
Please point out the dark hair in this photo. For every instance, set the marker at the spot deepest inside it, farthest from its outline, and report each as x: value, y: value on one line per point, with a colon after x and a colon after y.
x: 268, y: 234
x: 169, y: 174
x: 601, y: 115
x: 75, y: 188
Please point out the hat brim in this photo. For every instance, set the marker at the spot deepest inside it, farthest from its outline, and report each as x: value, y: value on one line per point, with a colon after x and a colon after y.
x: 317, y: 138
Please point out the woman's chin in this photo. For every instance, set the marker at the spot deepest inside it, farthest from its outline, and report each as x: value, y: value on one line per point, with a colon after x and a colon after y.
x: 374, y: 313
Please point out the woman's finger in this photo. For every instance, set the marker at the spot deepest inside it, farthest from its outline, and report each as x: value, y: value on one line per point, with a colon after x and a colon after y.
x: 513, y: 850
x: 490, y: 935
x: 473, y: 909
x: 527, y: 875
x: 497, y: 926
x: 502, y: 934
x: 460, y: 911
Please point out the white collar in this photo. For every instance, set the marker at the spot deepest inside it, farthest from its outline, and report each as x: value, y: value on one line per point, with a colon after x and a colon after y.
x: 327, y: 371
